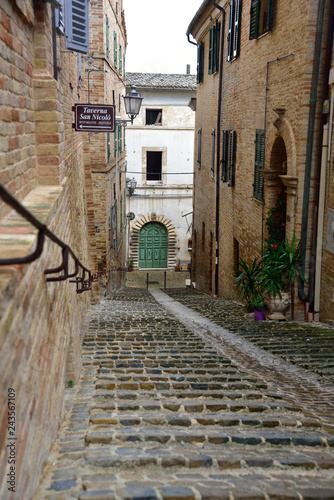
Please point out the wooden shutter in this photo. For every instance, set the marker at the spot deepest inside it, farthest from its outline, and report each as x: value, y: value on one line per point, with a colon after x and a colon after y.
x: 232, y: 155
x: 211, y: 50
x: 224, y: 155
x: 216, y: 47
x: 59, y: 17
x: 259, y: 165
x: 237, y: 25
x: 200, y: 62
x: 269, y: 15
x: 120, y: 57
x: 77, y: 26
x: 254, y: 19
x: 213, y: 150
x: 107, y: 38
x: 230, y: 32
x: 199, y: 148
x: 115, y: 49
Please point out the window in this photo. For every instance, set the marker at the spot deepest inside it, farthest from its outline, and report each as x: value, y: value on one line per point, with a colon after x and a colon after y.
x: 259, y: 165
x: 153, y: 116
x: 214, y: 48
x: 200, y: 62
x: 59, y: 16
x: 118, y: 139
x: 115, y: 49
x: 199, y: 148
x: 260, y: 18
x: 229, y: 148
x: 107, y: 38
x: 234, y: 26
x: 120, y: 59
x: 77, y: 25
x: 153, y: 165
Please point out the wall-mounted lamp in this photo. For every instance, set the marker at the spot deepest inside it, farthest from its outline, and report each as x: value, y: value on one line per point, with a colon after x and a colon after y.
x: 132, y: 102
x: 131, y: 185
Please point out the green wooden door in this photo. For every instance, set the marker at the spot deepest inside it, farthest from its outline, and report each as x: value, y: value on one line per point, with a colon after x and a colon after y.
x: 153, y: 244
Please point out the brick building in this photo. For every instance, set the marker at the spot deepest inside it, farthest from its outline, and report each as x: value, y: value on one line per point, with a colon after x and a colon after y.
x: 72, y: 182
x: 261, y: 71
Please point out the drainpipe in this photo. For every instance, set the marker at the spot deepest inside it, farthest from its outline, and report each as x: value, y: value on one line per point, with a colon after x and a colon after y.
x: 220, y: 90
x: 316, y: 261
x: 309, y: 150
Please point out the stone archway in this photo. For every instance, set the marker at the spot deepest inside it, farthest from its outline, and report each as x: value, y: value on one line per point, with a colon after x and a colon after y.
x: 137, y: 227
x: 281, y: 167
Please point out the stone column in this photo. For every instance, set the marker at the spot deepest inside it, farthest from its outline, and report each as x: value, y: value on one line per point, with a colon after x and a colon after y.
x: 290, y: 183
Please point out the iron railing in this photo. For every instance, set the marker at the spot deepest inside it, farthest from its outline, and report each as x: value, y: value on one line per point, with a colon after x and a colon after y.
x: 83, y: 281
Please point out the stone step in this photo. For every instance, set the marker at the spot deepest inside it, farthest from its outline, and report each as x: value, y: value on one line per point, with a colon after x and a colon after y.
x: 144, y: 418
x: 256, y: 437
x: 233, y: 457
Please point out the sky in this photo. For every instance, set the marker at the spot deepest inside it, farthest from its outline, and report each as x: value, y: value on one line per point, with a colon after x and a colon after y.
x: 156, y: 31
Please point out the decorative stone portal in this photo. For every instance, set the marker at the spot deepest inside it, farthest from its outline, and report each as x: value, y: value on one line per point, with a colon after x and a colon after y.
x: 141, y: 248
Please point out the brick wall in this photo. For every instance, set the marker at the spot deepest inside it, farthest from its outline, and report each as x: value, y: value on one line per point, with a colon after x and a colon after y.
x: 248, y: 104
x: 47, y: 165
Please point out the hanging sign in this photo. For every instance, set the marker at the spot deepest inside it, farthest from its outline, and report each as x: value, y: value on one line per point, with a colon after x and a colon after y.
x: 94, y: 118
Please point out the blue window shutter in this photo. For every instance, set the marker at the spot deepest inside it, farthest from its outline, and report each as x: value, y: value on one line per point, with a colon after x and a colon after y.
x: 230, y: 32
x: 237, y: 24
x: 77, y: 26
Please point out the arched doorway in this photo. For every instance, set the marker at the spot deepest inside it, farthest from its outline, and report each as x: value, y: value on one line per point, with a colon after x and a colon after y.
x: 276, y: 200
x: 153, y: 246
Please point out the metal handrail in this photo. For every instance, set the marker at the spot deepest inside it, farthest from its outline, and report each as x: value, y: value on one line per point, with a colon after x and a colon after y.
x: 83, y: 284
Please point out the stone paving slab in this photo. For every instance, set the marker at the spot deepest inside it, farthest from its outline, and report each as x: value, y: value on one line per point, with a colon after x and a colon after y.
x: 162, y: 412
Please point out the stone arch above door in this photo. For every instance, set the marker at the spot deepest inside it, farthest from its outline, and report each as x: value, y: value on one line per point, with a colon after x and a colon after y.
x: 282, y: 128
x: 134, y: 237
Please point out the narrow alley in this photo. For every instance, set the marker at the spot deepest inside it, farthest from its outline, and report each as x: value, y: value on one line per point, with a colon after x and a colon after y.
x: 174, y: 404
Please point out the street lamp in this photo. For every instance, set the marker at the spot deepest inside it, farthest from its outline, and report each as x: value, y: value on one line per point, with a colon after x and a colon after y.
x: 132, y: 102
x: 131, y: 185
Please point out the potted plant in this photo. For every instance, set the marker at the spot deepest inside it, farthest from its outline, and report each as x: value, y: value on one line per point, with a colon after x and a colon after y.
x: 248, y: 285
x: 280, y: 264
x: 130, y: 266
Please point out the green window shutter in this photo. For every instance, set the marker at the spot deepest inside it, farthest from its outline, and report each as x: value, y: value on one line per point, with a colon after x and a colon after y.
x: 232, y: 156
x: 77, y: 25
x: 108, y: 147
x: 116, y: 138
x: 211, y: 50
x: 230, y: 32
x: 107, y: 38
x: 200, y: 62
x: 237, y: 26
x: 259, y: 165
x: 120, y: 59
x: 254, y: 19
x: 224, y: 155
x: 213, y: 150
x: 115, y: 49
x: 216, y: 47
x: 123, y: 64
x: 199, y: 148
x: 120, y: 139
x: 269, y: 14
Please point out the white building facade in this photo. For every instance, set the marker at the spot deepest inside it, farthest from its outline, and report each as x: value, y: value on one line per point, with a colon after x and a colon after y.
x: 160, y: 151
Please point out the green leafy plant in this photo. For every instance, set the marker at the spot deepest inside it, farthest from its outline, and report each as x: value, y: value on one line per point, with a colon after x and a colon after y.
x: 247, y: 283
x: 70, y: 383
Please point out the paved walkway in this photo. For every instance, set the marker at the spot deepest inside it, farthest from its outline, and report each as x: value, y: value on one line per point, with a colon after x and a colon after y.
x: 173, y: 406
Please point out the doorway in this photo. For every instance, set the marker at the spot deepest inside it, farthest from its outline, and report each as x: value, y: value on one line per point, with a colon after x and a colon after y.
x: 153, y: 246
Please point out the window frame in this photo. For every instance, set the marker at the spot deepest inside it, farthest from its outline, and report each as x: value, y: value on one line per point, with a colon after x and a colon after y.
x: 155, y: 124
x: 255, y: 15
x: 234, y: 30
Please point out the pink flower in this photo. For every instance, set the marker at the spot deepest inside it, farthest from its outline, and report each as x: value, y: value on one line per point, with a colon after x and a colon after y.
x: 274, y: 246
x: 279, y: 192
x: 260, y: 260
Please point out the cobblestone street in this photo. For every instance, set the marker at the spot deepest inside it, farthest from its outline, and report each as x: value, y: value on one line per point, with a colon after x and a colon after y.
x: 195, y: 403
